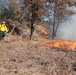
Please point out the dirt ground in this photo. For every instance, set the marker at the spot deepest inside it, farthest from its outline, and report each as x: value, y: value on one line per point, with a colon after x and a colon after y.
x: 24, y: 57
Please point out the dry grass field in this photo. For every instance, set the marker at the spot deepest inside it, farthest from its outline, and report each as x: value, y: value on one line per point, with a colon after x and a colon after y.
x: 20, y: 56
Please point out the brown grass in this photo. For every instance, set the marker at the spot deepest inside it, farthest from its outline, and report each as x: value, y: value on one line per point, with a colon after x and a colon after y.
x: 20, y: 56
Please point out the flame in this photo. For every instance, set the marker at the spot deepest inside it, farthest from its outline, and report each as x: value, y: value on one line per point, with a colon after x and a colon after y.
x: 62, y: 44
x: 43, y: 30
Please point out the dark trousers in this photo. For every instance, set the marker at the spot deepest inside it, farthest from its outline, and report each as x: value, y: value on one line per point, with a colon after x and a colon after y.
x: 2, y: 34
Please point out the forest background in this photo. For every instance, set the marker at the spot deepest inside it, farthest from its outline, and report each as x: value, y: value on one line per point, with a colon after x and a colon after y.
x: 21, y: 13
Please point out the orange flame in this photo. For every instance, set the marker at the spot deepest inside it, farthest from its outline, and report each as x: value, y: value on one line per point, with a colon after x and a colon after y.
x: 62, y: 44
x: 43, y: 31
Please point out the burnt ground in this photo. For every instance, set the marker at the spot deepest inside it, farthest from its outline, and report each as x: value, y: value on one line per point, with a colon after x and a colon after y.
x: 24, y: 57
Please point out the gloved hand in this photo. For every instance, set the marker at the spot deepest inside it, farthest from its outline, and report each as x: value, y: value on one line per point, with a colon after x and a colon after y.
x: 6, y: 34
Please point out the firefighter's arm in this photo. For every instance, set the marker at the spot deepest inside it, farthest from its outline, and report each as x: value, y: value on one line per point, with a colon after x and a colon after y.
x: 6, y: 29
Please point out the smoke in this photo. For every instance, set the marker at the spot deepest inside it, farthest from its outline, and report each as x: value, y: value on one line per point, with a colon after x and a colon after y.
x: 67, y: 30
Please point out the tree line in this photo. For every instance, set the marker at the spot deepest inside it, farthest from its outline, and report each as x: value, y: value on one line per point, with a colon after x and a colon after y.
x: 34, y: 12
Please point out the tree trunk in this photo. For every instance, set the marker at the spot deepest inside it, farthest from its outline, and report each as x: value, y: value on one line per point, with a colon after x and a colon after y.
x: 32, y: 25
x: 56, y: 27
x: 53, y: 33
x: 54, y: 20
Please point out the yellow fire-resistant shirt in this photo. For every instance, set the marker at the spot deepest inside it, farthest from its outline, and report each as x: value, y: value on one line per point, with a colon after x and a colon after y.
x: 3, y: 28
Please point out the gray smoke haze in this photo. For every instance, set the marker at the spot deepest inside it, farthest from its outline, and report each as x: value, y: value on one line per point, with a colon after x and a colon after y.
x: 67, y: 30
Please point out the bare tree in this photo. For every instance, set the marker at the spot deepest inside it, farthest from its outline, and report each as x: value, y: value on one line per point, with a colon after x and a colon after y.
x: 60, y: 12
x: 35, y: 9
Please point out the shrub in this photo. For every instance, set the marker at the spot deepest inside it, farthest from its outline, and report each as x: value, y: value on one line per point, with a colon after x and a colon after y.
x: 7, y: 13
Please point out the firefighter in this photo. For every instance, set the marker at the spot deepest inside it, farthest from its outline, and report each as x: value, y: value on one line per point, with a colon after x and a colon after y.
x: 3, y: 30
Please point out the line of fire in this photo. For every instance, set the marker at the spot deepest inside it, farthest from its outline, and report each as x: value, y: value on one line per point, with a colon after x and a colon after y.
x: 56, y: 44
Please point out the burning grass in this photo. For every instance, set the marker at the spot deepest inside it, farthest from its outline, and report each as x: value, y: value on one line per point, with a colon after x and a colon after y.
x: 62, y: 44
x: 43, y: 31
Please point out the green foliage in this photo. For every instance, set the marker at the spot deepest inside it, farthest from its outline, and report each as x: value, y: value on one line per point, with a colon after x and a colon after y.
x: 8, y: 13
